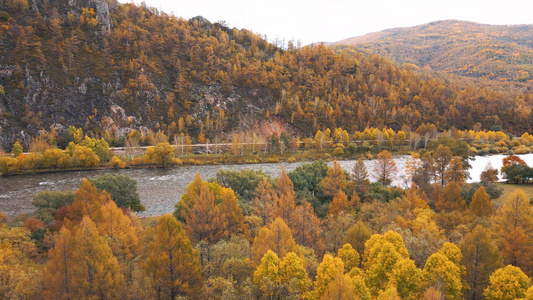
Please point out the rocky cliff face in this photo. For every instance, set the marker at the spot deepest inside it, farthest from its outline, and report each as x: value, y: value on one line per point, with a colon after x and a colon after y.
x: 58, y: 69
x: 32, y: 96
x: 93, y: 104
x: 44, y: 102
x: 101, y: 8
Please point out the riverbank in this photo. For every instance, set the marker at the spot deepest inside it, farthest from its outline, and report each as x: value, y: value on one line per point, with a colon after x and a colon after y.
x: 206, y: 159
x: 160, y: 189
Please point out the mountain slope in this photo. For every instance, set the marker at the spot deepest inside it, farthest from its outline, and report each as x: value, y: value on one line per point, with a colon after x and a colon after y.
x: 503, y: 53
x: 100, y: 65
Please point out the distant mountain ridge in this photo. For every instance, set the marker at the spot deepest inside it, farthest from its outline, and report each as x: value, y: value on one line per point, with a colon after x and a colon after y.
x: 495, y: 52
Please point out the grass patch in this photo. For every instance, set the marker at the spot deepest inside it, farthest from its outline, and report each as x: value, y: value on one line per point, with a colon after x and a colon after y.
x: 509, y: 188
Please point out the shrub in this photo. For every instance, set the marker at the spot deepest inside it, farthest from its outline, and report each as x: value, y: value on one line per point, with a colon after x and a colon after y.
x: 55, y: 158
x: 516, y: 143
x: 32, y: 224
x: 137, y: 161
x: 352, y: 148
x: 338, y: 151
x: 99, y: 146
x: 501, y: 149
x: 8, y: 165
x: 47, y: 202
x: 483, y: 152
x: 177, y: 162
x: 117, y: 163
x: 160, y: 155
x: 33, y: 161
x: 500, y: 144
x: 84, y: 157
x: 3, y: 218
x: 122, y: 188
x: 522, y: 149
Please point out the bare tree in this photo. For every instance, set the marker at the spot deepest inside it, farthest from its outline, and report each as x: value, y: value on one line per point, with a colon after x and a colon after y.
x: 385, y: 168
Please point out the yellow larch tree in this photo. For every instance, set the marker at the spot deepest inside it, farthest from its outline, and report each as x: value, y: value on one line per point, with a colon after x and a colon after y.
x: 340, y: 288
x: 414, y: 198
x: 286, y: 196
x: 359, y: 178
x: 340, y: 204
x: 407, y: 279
x: 513, y: 226
x: 277, y: 237
x: 305, y: 227
x: 210, y: 212
x: 481, y: 258
x: 81, y: 265
x: 201, y: 217
x: 335, y: 180
x: 264, y: 200
x: 481, y: 205
x: 450, y: 199
x: 507, y: 283
x: 278, y: 278
x: 385, y: 168
x: 172, y: 261
x: 329, y: 269
x: 20, y: 276
x: 357, y: 235
x: 266, y: 275
x: 444, y: 275
x: 293, y: 274
x: 349, y: 257
x: 231, y: 214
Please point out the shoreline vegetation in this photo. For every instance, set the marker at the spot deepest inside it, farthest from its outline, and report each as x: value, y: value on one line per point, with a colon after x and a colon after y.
x: 82, y: 152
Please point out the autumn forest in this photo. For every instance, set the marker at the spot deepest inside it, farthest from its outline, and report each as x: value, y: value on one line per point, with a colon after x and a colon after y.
x: 317, y: 232
x: 96, y: 84
x: 195, y: 77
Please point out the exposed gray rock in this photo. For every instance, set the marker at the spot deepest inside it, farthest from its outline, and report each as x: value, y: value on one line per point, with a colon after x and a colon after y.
x: 118, y: 111
x: 103, y: 16
x: 83, y: 88
x: 33, y: 5
x: 101, y: 8
x: 6, y: 71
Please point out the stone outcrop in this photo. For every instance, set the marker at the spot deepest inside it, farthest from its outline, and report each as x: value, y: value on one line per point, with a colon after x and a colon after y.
x: 101, y: 8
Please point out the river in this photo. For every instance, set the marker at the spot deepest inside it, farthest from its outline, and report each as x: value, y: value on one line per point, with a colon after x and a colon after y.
x: 160, y: 189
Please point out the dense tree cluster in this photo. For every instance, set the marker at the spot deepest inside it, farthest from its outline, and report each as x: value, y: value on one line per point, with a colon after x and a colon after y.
x: 350, y: 238
x: 516, y: 170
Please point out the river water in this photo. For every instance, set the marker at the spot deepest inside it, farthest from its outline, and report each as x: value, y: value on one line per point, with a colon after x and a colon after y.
x: 160, y: 189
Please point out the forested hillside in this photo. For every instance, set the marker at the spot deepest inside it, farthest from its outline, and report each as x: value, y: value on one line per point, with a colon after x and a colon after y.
x: 501, y: 53
x: 102, y: 65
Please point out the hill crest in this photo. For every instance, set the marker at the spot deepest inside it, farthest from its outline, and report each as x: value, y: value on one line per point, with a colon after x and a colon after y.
x: 494, y: 52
